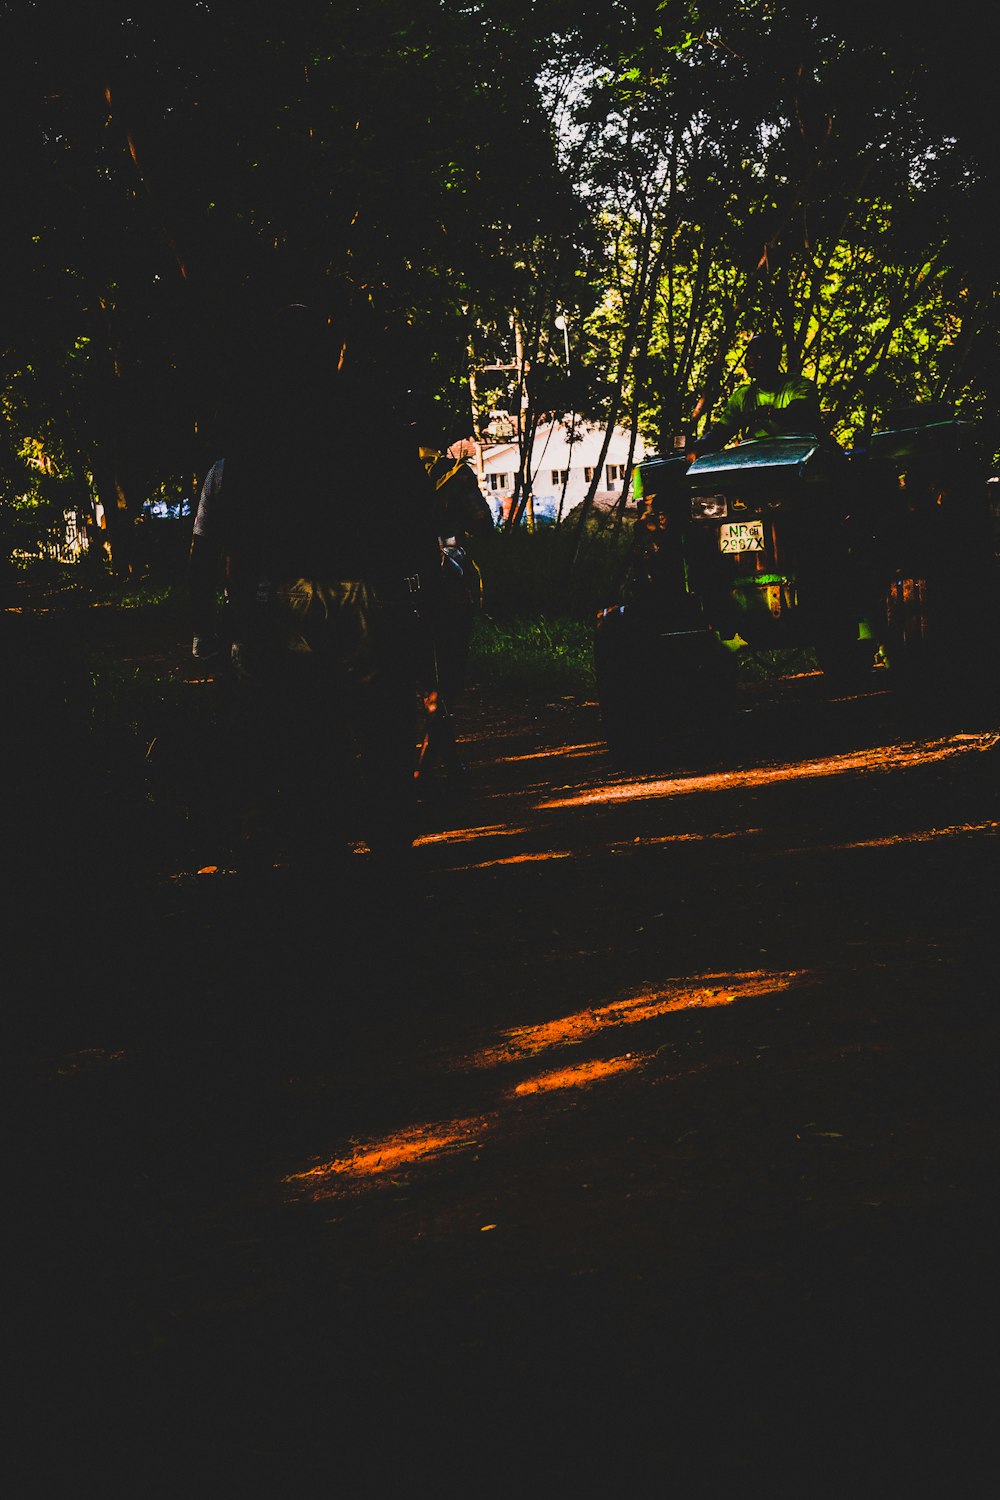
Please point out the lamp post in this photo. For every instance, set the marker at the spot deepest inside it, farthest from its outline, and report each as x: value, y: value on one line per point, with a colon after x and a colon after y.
x: 560, y: 322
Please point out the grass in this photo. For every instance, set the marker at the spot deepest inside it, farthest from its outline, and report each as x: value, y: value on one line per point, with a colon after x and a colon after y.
x: 536, y: 632
x: 536, y: 657
x: 545, y: 657
x: 764, y: 665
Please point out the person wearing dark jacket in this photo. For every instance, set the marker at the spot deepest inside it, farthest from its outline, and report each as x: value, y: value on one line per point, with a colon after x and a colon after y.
x: 322, y: 576
x: 461, y: 514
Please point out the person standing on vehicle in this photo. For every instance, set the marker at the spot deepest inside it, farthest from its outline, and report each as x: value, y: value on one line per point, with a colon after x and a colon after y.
x: 770, y: 404
x: 823, y: 535
x: 321, y: 578
x: 461, y: 513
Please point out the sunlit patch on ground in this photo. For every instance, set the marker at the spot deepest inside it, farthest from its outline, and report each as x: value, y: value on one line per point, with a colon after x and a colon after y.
x: 682, y: 838
x: 883, y: 758
x: 566, y: 752
x: 378, y: 1161
x: 517, y: 859
x: 467, y: 835
x: 391, y: 1154
x: 705, y: 991
x: 922, y: 835
x: 580, y: 1076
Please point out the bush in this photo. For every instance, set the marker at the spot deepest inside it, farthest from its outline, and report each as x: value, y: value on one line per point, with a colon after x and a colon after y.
x: 526, y: 575
x: 765, y: 665
x: 536, y: 632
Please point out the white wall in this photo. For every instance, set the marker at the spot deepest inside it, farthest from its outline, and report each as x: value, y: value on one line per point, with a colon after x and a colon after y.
x: 551, y: 454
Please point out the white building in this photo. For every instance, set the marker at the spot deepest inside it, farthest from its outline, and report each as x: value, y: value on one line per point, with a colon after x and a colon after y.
x: 556, y: 463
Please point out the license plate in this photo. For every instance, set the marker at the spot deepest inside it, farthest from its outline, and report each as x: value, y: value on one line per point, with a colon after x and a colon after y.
x: 741, y: 536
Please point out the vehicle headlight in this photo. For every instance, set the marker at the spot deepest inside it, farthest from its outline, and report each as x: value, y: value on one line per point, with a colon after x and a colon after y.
x: 709, y: 508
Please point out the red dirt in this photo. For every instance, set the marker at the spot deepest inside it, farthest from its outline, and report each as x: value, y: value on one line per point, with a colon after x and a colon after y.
x: 645, y: 1140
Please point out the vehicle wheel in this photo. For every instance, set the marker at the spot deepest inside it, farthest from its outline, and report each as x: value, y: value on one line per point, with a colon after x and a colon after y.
x: 625, y: 725
x: 847, y: 665
x: 905, y: 645
x: 666, y: 697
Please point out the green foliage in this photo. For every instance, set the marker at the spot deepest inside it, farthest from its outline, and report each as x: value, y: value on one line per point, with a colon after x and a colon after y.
x: 669, y: 175
x: 528, y: 574
x: 765, y: 665
x: 823, y: 172
x: 533, y: 657
x: 146, y: 594
x: 542, y: 657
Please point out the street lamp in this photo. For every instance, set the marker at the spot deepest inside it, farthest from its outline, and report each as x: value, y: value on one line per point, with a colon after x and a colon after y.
x: 561, y: 322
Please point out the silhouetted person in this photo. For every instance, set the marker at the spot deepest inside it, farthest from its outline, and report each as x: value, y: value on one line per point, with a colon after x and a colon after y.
x: 318, y: 524
x: 770, y: 404
x: 461, y: 513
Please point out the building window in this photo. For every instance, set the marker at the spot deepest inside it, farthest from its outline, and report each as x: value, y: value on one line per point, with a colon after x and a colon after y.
x: 588, y: 474
x: 616, y: 473
x: 560, y: 476
x: 499, y: 481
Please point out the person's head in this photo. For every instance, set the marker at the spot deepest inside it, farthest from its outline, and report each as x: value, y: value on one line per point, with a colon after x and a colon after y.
x: 426, y: 414
x: 762, y: 356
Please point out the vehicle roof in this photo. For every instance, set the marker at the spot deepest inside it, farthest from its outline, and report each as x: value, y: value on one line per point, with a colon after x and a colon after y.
x: 762, y: 453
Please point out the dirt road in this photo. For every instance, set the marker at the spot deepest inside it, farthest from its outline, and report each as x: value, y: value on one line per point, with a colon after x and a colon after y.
x: 645, y: 1141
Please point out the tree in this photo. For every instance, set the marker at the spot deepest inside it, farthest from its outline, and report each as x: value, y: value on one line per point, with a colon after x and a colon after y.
x: 669, y: 174
x: 188, y: 167
x: 806, y: 172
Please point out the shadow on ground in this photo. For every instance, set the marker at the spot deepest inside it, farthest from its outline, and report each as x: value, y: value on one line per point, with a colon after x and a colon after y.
x: 642, y: 1135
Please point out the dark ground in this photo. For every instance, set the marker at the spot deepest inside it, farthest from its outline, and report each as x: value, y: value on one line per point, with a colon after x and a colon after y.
x: 729, y: 1229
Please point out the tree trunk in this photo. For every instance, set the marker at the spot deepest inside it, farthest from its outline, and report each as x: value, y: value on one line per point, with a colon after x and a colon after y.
x: 646, y: 277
